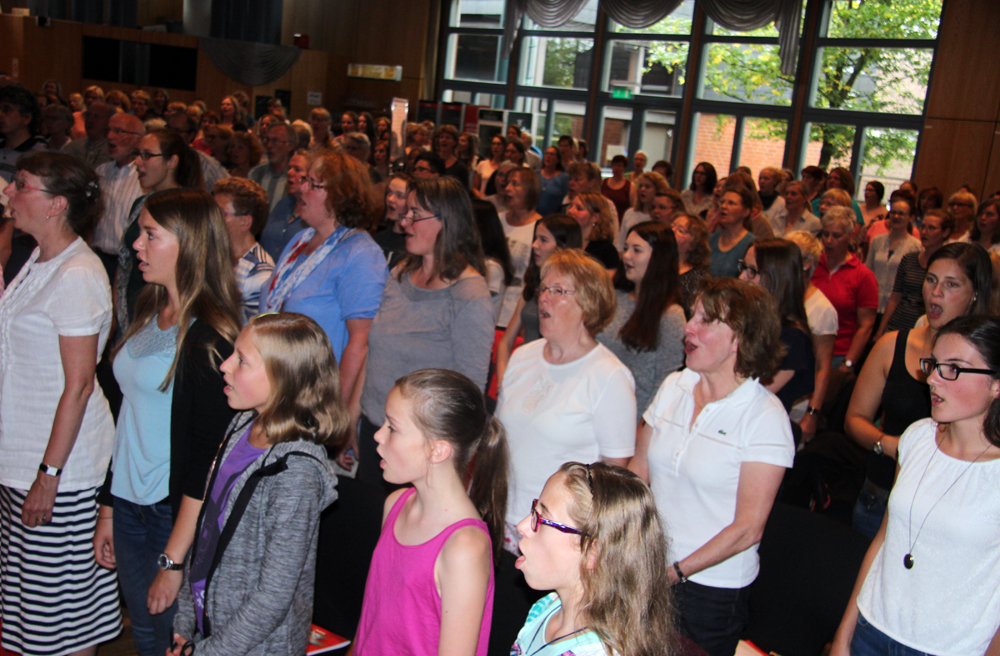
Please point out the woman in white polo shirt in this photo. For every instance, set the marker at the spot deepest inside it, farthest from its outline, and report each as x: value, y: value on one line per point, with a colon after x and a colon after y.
x: 714, y: 447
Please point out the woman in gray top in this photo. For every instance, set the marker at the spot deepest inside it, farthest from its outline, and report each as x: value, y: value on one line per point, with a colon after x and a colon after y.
x: 436, y: 310
x: 647, y: 331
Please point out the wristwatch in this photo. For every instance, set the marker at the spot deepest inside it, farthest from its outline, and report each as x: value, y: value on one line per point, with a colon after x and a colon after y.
x: 167, y: 564
x: 811, y: 410
x: 49, y: 469
x: 878, y: 447
x: 849, y: 364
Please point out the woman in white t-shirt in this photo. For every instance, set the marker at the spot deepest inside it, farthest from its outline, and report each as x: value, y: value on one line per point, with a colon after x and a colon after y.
x: 714, y: 449
x: 487, y: 166
x: 518, y: 220
x: 930, y: 582
x: 823, y: 324
x: 56, y: 430
x: 564, y: 397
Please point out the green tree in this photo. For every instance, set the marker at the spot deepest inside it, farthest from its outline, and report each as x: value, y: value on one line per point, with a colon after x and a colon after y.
x: 864, y: 79
x: 560, y: 60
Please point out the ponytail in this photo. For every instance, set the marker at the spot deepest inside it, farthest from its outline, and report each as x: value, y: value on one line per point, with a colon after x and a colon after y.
x: 488, y: 488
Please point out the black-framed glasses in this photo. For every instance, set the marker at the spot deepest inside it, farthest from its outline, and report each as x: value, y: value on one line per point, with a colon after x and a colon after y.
x: 537, y: 519
x: 146, y: 155
x: 409, y: 218
x: 949, y: 371
x: 743, y: 266
x: 313, y: 184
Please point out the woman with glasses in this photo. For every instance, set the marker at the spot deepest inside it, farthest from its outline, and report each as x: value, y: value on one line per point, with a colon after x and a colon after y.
x: 935, y: 555
x: 887, y: 250
x: 333, y: 271
x: 563, y: 397
x: 593, y: 537
x: 435, y: 312
x: 714, y: 448
x: 164, y: 161
x: 962, y: 206
x: 776, y: 265
x: 891, y: 392
x: 56, y: 430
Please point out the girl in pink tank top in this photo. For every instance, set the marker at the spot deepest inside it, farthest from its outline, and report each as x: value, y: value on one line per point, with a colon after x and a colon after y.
x: 430, y: 585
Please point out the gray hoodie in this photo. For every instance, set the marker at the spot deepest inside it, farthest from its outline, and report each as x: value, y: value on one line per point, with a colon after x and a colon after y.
x: 260, y: 598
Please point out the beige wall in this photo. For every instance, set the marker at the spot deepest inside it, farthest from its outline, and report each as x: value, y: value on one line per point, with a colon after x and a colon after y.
x: 961, y: 138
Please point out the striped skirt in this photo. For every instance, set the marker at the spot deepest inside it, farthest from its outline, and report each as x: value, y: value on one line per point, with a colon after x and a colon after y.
x: 54, y: 597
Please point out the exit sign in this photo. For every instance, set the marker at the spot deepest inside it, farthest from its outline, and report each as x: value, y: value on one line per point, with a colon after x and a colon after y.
x: 624, y: 93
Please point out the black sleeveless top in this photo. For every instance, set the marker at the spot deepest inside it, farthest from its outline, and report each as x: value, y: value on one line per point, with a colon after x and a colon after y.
x: 904, y: 401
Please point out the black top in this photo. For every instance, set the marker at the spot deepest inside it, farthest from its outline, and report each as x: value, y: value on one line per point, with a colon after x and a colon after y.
x: 801, y: 359
x: 904, y: 401
x: 393, y: 245
x: 459, y: 172
x: 604, y: 252
x: 909, y: 284
x: 199, y: 415
x: 768, y: 201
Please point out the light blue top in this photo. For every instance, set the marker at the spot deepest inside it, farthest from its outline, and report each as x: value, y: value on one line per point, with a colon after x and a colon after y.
x: 346, y: 285
x: 141, y: 458
x: 531, y: 639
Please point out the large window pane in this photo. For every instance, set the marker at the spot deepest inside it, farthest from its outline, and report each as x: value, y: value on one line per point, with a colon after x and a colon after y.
x: 614, y: 135
x: 746, y: 73
x: 568, y: 119
x: 899, y: 19
x: 763, y: 143
x: 556, y: 62
x: 658, y: 136
x: 477, y: 13
x: 648, y: 67
x: 714, y: 140
x: 582, y: 22
x: 887, y: 157
x: 889, y: 80
x: 829, y: 145
x: 678, y: 22
x: 475, y: 57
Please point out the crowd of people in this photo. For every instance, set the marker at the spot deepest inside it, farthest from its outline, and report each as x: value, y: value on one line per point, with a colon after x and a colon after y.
x: 575, y: 398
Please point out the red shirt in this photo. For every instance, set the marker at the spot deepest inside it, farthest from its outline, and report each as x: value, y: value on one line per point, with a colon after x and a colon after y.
x: 850, y: 287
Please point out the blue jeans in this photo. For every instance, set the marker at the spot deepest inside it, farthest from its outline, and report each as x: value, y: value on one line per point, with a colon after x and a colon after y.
x: 869, y: 641
x: 140, y: 535
x: 713, y: 618
x: 869, y: 511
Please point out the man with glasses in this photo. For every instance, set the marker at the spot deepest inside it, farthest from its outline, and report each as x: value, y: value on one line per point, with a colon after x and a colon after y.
x: 185, y: 125
x: 119, y: 186
x: 428, y: 165
x: 272, y: 175
x: 19, y: 117
x: 93, y: 150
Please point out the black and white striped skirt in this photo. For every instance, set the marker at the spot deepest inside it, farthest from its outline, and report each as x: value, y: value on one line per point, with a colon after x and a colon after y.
x: 54, y: 597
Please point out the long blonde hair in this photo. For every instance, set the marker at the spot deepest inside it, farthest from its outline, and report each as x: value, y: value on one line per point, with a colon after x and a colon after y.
x: 626, y: 594
x: 206, y: 283
x: 597, y: 204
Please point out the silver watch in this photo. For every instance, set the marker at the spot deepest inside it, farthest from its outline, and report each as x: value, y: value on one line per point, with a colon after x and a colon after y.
x: 167, y: 564
x: 878, y: 447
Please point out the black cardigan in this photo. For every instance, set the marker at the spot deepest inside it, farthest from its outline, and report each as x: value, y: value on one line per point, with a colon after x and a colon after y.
x: 199, y: 415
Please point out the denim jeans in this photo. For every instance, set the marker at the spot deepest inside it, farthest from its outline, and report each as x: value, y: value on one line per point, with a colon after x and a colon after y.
x: 140, y: 535
x: 713, y: 618
x: 869, y: 510
x: 869, y: 641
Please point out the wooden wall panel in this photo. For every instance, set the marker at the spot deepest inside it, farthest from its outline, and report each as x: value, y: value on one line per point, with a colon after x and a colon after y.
x: 157, y: 12
x: 991, y: 182
x: 966, y: 82
x: 955, y: 152
x: 44, y: 52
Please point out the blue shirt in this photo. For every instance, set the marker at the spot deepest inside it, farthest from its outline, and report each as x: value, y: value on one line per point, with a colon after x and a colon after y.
x: 553, y: 191
x: 346, y: 285
x: 141, y: 458
x: 281, y: 226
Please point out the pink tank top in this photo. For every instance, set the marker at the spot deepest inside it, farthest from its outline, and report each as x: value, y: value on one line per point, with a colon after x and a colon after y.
x: 401, y: 613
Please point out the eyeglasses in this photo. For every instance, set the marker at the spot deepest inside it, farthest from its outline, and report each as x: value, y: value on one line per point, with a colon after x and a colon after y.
x: 313, y: 184
x: 557, y: 292
x: 537, y: 519
x: 146, y: 155
x: 408, y: 217
x: 950, y: 371
x: 422, y: 169
x: 120, y: 131
x: 21, y: 185
x: 743, y: 266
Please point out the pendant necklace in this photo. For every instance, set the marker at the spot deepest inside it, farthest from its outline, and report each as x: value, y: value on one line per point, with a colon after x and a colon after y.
x: 908, y: 558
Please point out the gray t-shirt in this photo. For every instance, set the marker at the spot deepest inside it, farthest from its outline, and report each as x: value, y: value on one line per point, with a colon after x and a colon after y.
x: 450, y: 328
x: 648, y: 368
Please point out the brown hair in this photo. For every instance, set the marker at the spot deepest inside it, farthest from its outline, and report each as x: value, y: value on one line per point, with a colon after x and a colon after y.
x: 659, y: 183
x: 66, y: 176
x: 752, y: 314
x: 597, y: 204
x: 248, y: 198
x: 532, y: 185
x: 594, y: 292
x: 350, y: 194
x: 305, y: 401
x: 699, y: 254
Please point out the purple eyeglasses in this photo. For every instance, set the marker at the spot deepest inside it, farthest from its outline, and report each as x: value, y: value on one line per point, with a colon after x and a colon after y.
x: 537, y: 519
